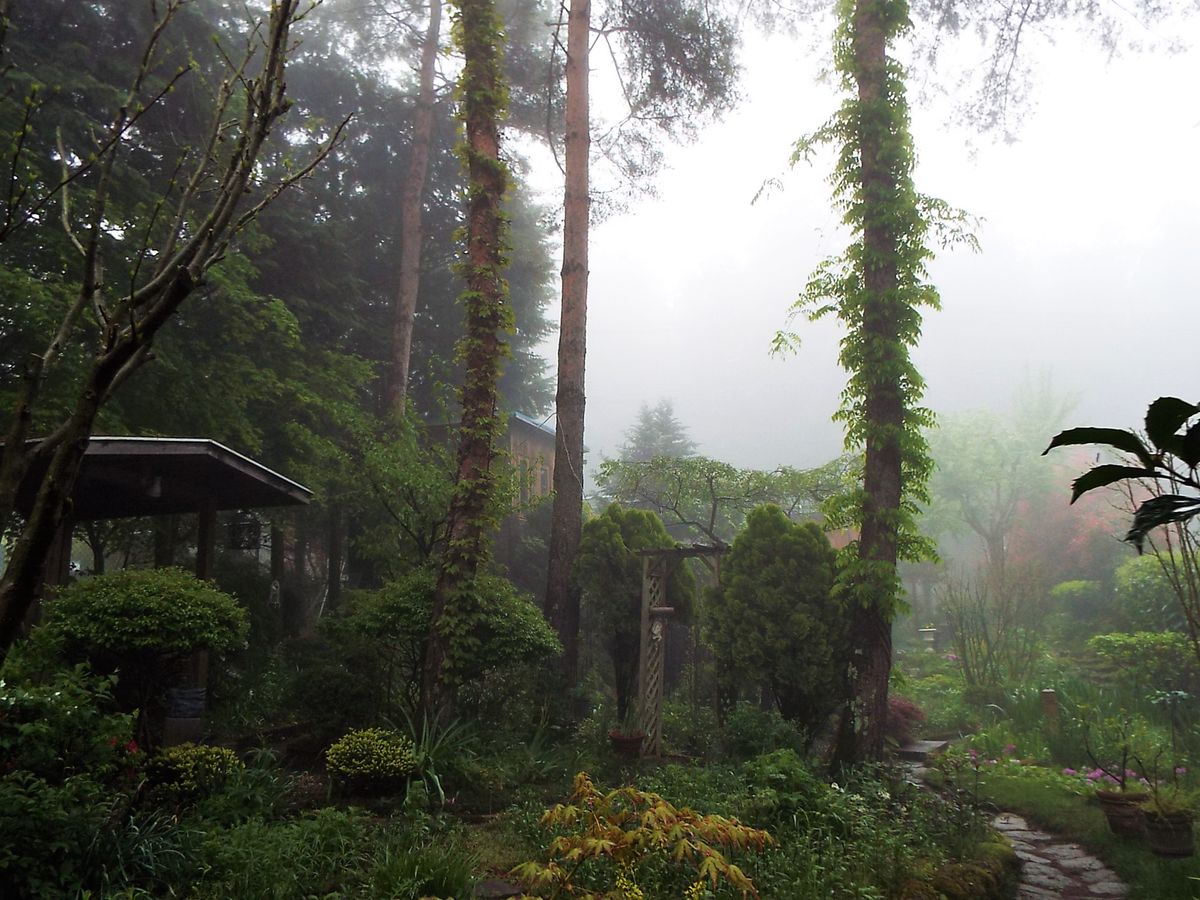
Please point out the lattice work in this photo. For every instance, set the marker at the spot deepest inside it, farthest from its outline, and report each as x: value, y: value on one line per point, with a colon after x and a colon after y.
x: 655, y: 612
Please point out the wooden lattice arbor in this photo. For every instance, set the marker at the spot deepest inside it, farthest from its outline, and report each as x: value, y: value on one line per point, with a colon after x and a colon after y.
x: 656, y: 569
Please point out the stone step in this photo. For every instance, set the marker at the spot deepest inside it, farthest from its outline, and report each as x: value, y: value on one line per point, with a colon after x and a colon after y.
x: 920, y: 751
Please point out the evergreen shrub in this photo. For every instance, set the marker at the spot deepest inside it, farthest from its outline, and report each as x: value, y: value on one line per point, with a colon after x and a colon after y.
x: 371, y: 759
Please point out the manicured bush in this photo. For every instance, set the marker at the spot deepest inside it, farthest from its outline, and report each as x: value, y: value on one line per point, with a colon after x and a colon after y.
x: 773, y: 622
x: 1150, y: 660
x: 371, y: 759
x: 138, y: 613
x: 194, y: 770
x: 140, y: 623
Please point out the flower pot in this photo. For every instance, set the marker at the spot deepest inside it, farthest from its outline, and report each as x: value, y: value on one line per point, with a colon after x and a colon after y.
x: 1170, y: 833
x: 627, y: 744
x: 1123, y: 811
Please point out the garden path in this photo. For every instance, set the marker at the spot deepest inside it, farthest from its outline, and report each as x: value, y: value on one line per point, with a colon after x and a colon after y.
x: 1051, y: 867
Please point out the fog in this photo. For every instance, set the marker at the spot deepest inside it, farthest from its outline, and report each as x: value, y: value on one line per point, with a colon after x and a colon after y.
x: 1087, y: 270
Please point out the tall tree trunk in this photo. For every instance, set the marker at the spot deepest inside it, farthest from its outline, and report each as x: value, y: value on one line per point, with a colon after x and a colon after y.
x: 412, y: 193
x: 562, y: 593
x: 488, y: 319
x: 861, y: 734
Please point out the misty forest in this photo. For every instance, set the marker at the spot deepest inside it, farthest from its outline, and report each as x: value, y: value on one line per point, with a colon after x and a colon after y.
x: 850, y: 549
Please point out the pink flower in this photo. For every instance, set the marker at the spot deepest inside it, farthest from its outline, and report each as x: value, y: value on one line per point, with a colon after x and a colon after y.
x: 1009, y: 748
x: 1069, y: 771
x: 1181, y: 770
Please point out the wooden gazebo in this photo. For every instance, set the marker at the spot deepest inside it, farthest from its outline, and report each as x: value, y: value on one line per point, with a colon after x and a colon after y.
x: 122, y: 477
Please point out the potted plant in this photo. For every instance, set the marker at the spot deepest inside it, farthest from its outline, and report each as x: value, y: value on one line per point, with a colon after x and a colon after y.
x: 1122, y: 807
x: 627, y: 738
x: 1167, y: 817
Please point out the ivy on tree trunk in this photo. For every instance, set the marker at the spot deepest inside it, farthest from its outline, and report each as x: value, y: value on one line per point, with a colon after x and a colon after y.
x: 876, y: 288
x: 482, y: 95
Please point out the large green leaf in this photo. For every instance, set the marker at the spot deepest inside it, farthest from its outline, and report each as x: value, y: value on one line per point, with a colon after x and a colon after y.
x: 1160, y: 511
x: 1165, y: 417
x: 1189, y: 447
x: 1113, y: 437
x: 1102, y: 476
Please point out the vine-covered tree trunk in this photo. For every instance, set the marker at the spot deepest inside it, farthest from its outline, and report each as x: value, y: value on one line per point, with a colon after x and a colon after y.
x: 562, y: 593
x: 411, y: 231
x: 861, y: 736
x: 482, y: 95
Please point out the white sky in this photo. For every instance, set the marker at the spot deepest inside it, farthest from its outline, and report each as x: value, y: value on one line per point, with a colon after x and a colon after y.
x: 1089, y: 266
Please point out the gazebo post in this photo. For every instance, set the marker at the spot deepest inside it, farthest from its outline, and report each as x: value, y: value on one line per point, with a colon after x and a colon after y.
x: 206, y: 540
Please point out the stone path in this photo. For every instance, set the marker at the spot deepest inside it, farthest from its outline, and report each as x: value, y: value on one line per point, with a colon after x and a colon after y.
x: 1053, y: 868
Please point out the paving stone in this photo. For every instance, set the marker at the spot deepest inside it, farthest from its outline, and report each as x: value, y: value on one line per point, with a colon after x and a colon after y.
x: 1034, y: 837
x: 1044, y: 876
x: 1018, y: 844
x: 1009, y: 822
x: 1029, y: 892
x: 1026, y: 856
x: 1083, y: 864
x: 1102, y: 873
x: 1065, y: 851
x: 1110, y: 889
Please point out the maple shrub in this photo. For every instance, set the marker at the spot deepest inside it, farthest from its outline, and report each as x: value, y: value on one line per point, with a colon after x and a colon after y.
x: 626, y: 827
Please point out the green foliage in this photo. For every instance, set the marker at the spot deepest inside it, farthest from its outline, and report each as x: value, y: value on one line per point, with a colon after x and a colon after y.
x: 610, y: 573
x: 371, y: 758
x: 495, y: 627
x: 1174, y: 434
x: 781, y: 785
x: 66, y: 726
x: 749, y: 730
x: 190, y: 771
x: 341, y: 852
x: 881, y: 326
x: 1149, y: 661
x: 773, y: 623
x: 160, y: 613
x: 709, y: 499
x: 1146, y: 595
x: 366, y: 664
x: 68, y: 773
x: 622, y: 828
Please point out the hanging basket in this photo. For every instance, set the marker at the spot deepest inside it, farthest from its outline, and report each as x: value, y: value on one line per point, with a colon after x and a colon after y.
x: 1170, y: 834
x: 1123, y: 810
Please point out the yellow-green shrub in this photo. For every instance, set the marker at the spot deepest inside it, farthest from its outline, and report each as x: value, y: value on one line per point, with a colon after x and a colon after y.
x: 371, y: 757
x: 193, y: 770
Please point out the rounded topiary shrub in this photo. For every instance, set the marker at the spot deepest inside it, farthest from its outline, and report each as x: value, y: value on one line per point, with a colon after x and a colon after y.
x: 162, y: 613
x: 139, y: 623
x: 371, y: 759
x: 194, y: 770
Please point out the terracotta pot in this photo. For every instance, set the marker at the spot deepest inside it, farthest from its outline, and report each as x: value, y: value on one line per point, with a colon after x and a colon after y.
x: 1170, y: 833
x: 1123, y: 810
x: 627, y: 744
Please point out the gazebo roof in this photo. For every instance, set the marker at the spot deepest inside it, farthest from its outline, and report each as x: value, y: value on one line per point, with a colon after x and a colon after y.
x: 151, y: 476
